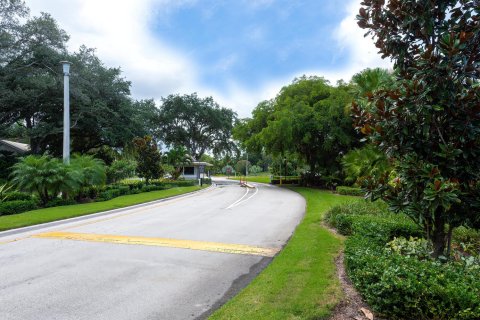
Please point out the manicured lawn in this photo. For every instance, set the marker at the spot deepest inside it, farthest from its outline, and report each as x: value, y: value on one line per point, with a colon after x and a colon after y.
x: 300, y: 283
x: 261, y: 179
x: 58, y: 213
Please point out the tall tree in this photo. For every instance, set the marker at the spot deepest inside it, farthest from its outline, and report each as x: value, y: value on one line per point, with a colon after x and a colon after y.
x: 200, y: 125
x: 149, y: 158
x: 430, y: 120
x: 306, y: 120
x: 30, y: 88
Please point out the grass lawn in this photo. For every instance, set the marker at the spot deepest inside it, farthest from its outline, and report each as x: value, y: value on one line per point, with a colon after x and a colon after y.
x: 30, y: 218
x: 261, y: 179
x: 300, y: 283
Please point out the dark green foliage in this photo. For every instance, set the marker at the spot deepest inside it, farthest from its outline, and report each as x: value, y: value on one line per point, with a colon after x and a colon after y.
x: 306, y: 121
x: 368, y: 161
x: 149, y: 165
x: 17, y: 206
x: 429, y: 120
x: 402, y: 287
x: 200, y: 125
x: 178, y: 157
x: 397, y: 277
x: 350, y: 191
x: 7, y: 160
x: 15, y: 195
x: 31, y: 87
x: 57, y: 202
x: 370, y: 220
x: 45, y: 176
x: 120, y: 169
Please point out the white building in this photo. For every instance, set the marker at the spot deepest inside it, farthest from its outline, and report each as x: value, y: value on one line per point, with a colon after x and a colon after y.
x: 196, y: 170
x: 15, y: 147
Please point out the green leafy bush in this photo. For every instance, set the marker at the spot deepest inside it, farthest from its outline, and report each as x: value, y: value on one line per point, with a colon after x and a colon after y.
x: 120, y: 169
x: 403, y: 287
x: 15, y: 195
x: 412, y: 247
x: 350, y: 191
x: 57, y: 202
x: 17, y: 206
x: 396, y: 276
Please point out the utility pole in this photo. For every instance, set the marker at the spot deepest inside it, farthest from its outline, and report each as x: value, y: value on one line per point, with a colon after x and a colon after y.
x: 66, y: 111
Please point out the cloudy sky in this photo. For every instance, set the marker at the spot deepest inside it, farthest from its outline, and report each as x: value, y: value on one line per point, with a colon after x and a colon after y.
x: 238, y: 51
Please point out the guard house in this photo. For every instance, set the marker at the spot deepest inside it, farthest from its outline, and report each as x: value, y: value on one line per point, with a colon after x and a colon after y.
x: 14, y: 147
x: 196, y: 170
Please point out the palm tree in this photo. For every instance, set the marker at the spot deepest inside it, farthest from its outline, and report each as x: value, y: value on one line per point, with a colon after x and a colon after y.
x: 178, y: 157
x: 90, y: 171
x: 43, y: 175
x: 369, y: 80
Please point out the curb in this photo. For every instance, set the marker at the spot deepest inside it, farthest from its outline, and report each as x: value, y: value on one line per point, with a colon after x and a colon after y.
x: 97, y: 214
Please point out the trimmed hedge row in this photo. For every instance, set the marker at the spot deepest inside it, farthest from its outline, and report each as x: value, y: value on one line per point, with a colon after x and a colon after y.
x: 395, y: 284
x: 403, y: 287
x: 17, y: 206
x: 350, y: 191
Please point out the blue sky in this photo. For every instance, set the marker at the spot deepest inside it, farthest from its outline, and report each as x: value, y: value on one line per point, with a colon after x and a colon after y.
x: 254, y: 43
x: 240, y: 52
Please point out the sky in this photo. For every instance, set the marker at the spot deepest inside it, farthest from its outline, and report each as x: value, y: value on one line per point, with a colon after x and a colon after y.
x: 240, y: 52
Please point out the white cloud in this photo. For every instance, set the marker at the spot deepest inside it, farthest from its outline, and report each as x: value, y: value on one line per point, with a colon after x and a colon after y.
x: 120, y: 30
x: 361, y: 51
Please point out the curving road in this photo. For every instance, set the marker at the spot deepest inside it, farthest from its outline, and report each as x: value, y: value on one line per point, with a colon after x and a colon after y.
x: 174, y: 259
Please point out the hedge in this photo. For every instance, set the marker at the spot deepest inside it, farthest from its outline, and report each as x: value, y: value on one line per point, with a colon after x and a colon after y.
x: 350, y: 191
x: 17, y: 206
x: 397, y: 278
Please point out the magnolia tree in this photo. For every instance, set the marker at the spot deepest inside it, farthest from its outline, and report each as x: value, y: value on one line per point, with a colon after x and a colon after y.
x: 429, y: 120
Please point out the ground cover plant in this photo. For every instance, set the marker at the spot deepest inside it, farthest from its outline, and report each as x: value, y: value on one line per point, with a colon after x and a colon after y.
x: 391, y: 265
x: 300, y: 283
x: 351, y: 191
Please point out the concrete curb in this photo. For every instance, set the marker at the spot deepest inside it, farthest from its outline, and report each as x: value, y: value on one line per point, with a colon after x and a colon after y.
x: 97, y: 214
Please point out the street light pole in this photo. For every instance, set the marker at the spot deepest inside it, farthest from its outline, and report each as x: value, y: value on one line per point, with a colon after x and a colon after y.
x: 66, y: 111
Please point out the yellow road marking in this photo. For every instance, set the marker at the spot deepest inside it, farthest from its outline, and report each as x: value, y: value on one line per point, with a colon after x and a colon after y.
x: 163, y: 242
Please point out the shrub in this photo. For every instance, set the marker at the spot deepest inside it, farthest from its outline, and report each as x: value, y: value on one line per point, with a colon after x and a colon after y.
x: 17, y: 206
x: 15, y: 195
x: 402, y: 287
x: 413, y: 247
x: 108, y: 194
x: 57, y: 202
x: 396, y: 276
x: 120, y: 169
x: 350, y: 191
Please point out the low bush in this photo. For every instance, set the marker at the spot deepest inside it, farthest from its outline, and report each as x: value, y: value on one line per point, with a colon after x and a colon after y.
x: 12, y: 196
x: 57, y: 202
x: 389, y: 263
x: 467, y: 239
x: 350, y: 191
x: 404, y: 287
x: 17, y: 206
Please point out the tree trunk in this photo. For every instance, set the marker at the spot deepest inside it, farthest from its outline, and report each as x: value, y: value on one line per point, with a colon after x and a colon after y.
x: 439, y: 237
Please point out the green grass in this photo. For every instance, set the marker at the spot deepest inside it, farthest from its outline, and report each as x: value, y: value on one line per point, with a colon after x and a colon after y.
x: 300, y: 283
x: 30, y: 218
x: 261, y: 179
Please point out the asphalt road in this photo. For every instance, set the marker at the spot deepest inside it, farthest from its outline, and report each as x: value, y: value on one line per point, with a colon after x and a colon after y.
x: 176, y: 259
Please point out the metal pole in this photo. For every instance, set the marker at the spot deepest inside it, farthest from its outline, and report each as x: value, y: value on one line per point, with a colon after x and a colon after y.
x: 66, y: 111
x: 246, y: 167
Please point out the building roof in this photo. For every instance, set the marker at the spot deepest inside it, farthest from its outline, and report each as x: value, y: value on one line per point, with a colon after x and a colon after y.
x: 199, y: 163
x: 17, y: 146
